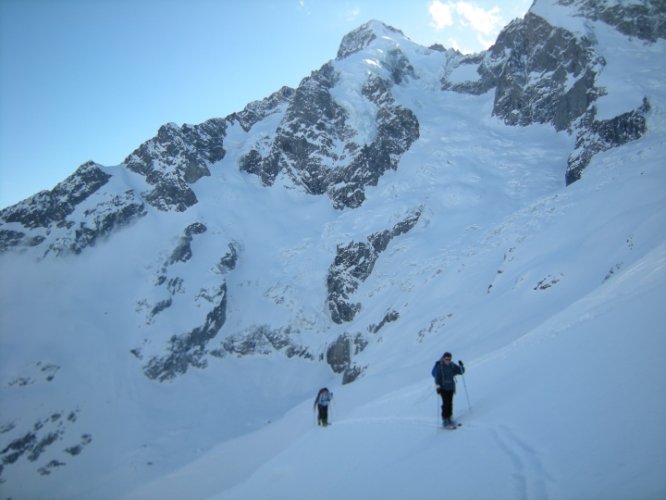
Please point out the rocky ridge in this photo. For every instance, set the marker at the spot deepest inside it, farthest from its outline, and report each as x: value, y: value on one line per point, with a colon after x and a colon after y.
x: 539, y: 74
x: 545, y: 74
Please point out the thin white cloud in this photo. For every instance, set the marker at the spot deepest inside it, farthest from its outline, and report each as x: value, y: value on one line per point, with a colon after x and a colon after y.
x: 484, y: 21
x: 441, y: 14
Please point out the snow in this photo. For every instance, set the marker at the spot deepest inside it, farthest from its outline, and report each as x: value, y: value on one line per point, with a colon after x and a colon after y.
x: 559, y: 15
x: 626, y: 89
x: 563, y: 409
x: 553, y: 296
x: 464, y: 73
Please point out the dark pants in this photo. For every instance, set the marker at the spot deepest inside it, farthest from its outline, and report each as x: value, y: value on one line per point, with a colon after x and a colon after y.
x: 323, y: 415
x: 447, y: 403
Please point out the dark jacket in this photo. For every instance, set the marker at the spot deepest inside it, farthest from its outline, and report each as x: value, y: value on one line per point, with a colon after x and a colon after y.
x: 444, y: 374
x: 323, y: 398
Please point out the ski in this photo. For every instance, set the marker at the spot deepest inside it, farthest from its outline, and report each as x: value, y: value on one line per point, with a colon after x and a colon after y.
x: 452, y: 427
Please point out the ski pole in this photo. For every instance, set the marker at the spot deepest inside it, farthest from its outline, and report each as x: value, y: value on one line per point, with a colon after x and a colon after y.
x: 469, y: 406
x: 330, y: 408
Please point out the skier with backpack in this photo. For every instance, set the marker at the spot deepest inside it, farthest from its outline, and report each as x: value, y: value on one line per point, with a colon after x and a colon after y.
x: 322, y: 401
x: 444, y: 373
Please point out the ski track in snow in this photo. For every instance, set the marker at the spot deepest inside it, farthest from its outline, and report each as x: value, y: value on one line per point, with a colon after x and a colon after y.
x: 496, y: 224
x: 529, y: 473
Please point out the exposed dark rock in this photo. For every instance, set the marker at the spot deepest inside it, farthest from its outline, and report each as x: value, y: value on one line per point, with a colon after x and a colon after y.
x: 354, y: 263
x: 11, y: 239
x: 596, y: 136
x: 262, y: 340
x: 228, y: 261
x: 161, y: 306
x: 43, y: 443
x: 74, y: 450
x: 53, y: 464
x: 189, y: 349
x: 645, y: 20
x: 49, y: 208
x: 35, y: 372
x: 183, y: 252
x: 530, y: 47
x: 547, y: 282
x: 544, y: 74
x: 399, y: 66
x: 32, y: 445
x: 258, y: 110
x: 339, y: 356
x: 18, y: 447
x: 312, y: 124
x: 397, y: 129
x: 49, y: 370
x: 176, y: 158
x: 98, y: 223
x: 362, y: 37
x: 389, y: 317
x: 174, y: 284
x: 351, y: 374
x: 86, y: 439
x: 7, y: 427
x: 315, y: 147
x: 46, y: 216
x: 171, y: 193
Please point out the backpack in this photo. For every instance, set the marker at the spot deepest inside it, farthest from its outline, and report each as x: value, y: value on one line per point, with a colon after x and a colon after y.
x: 324, y: 397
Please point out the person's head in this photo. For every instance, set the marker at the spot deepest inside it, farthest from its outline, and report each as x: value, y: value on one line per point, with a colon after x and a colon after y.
x: 447, y: 357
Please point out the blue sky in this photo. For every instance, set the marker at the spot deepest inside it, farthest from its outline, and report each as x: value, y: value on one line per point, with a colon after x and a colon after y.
x: 92, y: 79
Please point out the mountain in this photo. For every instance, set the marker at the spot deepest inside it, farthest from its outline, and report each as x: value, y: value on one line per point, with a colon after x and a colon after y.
x: 166, y: 322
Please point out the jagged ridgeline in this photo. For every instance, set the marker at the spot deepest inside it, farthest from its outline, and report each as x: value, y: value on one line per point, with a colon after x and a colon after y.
x: 311, y: 228
x: 336, y: 135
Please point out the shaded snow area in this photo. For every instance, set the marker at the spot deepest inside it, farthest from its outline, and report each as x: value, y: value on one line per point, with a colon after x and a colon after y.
x: 552, y: 295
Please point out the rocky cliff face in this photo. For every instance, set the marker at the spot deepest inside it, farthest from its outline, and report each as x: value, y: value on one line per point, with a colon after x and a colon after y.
x: 539, y: 74
x: 354, y: 263
x: 176, y: 158
x: 644, y: 20
x: 75, y: 214
x: 316, y: 148
x: 317, y: 223
x: 546, y: 74
x: 336, y: 135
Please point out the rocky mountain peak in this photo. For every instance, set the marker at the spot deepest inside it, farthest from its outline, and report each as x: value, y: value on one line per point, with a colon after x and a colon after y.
x: 396, y: 193
x: 643, y: 19
x: 343, y: 127
x: 176, y: 158
x: 364, y: 35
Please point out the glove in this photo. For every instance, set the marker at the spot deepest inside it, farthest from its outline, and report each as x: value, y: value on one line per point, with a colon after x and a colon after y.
x: 462, y: 365
x: 439, y: 390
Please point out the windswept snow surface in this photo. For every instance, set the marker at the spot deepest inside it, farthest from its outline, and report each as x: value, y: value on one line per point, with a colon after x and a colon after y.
x: 568, y: 404
x: 553, y: 296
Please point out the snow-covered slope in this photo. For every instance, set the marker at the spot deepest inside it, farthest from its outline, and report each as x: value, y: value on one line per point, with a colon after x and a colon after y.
x: 166, y: 323
x: 561, y: 397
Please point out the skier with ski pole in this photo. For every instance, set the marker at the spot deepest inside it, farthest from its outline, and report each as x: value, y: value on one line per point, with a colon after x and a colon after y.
x: 322, y: 402
x: 444, y: 373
